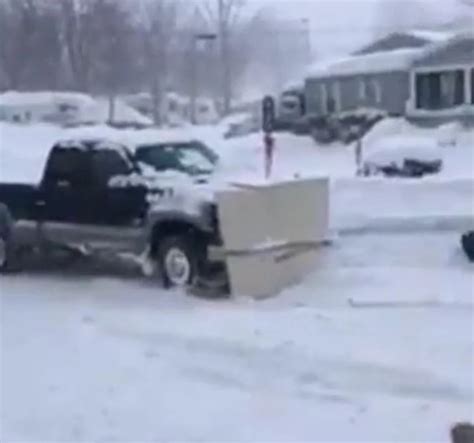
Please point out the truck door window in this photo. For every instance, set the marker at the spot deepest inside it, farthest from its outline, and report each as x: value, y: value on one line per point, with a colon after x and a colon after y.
x: 109, y: 163
x: 67, y: 166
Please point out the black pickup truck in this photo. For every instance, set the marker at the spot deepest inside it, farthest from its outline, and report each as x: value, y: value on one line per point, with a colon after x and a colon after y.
x: 94, y: 198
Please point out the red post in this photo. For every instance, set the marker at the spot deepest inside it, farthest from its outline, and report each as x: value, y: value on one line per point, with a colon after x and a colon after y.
x: 269, y: 142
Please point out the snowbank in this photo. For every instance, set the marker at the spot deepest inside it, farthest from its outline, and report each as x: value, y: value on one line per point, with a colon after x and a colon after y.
x: 66, y: 108
x: 449, y: 134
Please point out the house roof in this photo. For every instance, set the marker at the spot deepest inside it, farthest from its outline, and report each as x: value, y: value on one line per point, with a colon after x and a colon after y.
x: 377, y: 62
x: 442, y: 44
x: 431, y: 36
x: 386, y: 61
x: 404, y: 39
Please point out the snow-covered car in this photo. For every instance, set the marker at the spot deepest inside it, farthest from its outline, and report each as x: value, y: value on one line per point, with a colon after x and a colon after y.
x: 191, y: 157
x: 403, y: 157
x: 239, y: 125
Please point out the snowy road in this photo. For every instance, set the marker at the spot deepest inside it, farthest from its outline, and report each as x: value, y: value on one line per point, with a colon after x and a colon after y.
x: 376, y: 345
x: 102, y: 358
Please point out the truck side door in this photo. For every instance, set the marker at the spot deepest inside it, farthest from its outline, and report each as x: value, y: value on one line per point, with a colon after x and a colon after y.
x: 66, y: 189
x: 120, y: 196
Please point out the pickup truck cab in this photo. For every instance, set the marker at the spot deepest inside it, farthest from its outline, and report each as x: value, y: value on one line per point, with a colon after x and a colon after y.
x: 94, y: 198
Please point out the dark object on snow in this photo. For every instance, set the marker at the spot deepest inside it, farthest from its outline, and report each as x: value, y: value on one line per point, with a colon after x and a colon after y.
x: 129, y: 125
x: 412, y: 168
x: 418, y: 168
x: 467, y: 242
x: 462, y: 433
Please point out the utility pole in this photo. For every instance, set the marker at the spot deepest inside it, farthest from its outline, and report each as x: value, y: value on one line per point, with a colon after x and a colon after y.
x: 224, y: 56
x: 196, y: 38
x: 307, y: 39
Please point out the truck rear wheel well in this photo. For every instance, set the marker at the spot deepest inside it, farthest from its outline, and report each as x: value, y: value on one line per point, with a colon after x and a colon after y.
x: 167, y: 229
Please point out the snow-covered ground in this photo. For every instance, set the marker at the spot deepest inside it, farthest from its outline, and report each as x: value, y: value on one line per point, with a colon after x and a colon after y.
x: 375, y: 345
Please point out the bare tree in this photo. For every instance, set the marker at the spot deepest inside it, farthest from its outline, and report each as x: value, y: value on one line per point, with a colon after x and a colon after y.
x: 79, y: 40
x: 224, y: 16
x: 118, y: 46
x: 29, y: 44
x: 157, y: 28
x: 112, y: 57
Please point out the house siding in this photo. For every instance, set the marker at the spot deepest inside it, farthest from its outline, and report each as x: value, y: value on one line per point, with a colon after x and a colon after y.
x: 394, y: 88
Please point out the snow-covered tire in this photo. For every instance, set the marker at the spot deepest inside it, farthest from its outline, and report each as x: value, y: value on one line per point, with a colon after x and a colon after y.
x: 178, y: 259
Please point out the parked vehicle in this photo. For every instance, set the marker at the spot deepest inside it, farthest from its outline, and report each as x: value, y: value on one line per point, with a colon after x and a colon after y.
x: 403, y: 157
x: 290, y: 109
x: 240, y: 125
x: 93, y: 198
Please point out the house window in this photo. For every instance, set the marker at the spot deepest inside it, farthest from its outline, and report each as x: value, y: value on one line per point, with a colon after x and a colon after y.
x: 330, y: 98
x: 377, y: 91
x: 336, y: 97
x: 440, y: 90
x: 472, y: 86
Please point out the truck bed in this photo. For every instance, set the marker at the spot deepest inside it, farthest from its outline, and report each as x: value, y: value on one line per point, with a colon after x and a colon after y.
x: 19, y: 198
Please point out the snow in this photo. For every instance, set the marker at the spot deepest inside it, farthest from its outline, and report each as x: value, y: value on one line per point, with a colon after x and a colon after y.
x: 456, y: 141
x: 375, y: 345
x: 84, y: 108
x: 444, y: 43
x: 373, y: 63
x: 400, y: 59
x: 396, y: 149
x: 14, y: 98
x: 120, y: 360
x: 432, y: 36
x: 294, y: 85
x: 236, y: 119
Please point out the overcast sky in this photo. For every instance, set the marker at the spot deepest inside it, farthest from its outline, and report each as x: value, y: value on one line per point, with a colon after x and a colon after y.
x: 339, y: 26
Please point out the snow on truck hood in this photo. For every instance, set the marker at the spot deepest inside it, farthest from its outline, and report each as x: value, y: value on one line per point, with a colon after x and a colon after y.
x: 173, y: 190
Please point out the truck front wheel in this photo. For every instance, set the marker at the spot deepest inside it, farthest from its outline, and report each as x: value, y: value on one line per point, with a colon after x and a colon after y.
x: 178, y: 259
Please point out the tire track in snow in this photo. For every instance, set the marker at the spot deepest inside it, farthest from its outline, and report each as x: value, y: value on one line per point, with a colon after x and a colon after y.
x: 244, y: 366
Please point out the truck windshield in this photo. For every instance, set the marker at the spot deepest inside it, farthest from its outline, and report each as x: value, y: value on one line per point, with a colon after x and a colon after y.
x: 192, y: 158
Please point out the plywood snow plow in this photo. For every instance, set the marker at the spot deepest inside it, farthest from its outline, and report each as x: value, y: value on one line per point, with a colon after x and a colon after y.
x: 272, y: 233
